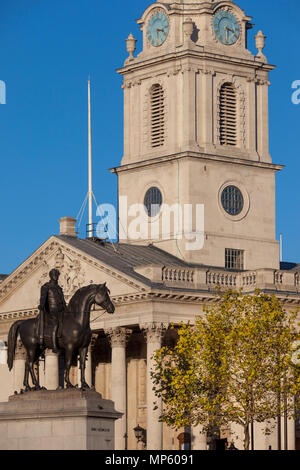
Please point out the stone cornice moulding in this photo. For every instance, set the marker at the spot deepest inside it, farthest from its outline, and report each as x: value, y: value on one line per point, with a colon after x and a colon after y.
x: 19, y: 314
x: 201, y: 156
x: 197, y: 52
x: 291, y: 299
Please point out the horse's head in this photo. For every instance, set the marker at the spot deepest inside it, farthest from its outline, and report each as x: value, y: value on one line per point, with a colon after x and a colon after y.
x: 102, y: 298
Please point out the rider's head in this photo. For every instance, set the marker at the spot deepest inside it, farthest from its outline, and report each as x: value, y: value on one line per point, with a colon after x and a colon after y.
x: 54, y: 274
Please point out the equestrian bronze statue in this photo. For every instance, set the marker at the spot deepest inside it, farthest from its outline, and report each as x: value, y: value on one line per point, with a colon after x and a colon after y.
x: 58, y: 326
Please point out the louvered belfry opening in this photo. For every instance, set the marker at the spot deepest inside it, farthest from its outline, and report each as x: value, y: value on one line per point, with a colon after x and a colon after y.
x: 228, y: 115
x: 157, y: 103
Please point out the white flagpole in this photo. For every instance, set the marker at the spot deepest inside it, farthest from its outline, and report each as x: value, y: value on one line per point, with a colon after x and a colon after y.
x: 90, y: 193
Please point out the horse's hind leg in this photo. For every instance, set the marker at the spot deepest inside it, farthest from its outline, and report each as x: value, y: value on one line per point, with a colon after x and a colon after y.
x: 29, y: 369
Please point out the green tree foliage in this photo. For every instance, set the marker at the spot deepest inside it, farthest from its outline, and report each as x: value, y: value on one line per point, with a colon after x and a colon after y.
x: 233, y: 366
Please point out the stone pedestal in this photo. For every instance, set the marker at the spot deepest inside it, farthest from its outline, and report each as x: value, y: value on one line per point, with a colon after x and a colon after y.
x: 57, y: 420
x: 51, y: 370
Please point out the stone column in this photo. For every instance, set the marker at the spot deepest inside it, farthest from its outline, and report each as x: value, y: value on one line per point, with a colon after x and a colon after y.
x: 262, y: 119
x: 189, y: 107
x: 207, y: 116
x: 19, y: 366
x: 291, y: 431
x: 51, y: 370
x: 252, y: 129
x: 153, y: 334
x: 118, y: 337
x: 198, y: 439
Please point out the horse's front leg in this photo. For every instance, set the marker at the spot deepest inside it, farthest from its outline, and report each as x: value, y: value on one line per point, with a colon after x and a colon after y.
x: 82, y: 359
x: 68, y: 363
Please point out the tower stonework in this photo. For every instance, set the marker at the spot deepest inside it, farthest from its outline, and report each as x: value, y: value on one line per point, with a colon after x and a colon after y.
x: 196, y: 130
x: 195, y: 136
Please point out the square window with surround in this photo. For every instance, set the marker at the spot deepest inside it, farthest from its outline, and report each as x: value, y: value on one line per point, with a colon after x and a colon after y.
x: 234, y: 259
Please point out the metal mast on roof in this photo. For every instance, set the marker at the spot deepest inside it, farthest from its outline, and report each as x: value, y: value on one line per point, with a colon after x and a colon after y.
x: 90, y: 193
x: 90, y: 197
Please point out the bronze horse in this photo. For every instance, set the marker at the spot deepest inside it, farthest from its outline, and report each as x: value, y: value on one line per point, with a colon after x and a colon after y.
x: 75, y: 336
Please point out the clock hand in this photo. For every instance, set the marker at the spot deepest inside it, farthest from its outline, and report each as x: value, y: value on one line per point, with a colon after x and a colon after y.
x: 229, y: 29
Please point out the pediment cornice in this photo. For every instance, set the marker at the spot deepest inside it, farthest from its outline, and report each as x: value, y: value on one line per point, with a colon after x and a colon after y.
x: 40, y: 257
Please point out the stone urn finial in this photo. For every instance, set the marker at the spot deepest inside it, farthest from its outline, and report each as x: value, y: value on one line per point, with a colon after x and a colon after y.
x: 130, y: 46
x: 260, y: 41
x: 188, y: 28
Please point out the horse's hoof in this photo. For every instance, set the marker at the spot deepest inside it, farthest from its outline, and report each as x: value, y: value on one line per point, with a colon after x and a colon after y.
x: 85, y: 387
x: 70, y: 386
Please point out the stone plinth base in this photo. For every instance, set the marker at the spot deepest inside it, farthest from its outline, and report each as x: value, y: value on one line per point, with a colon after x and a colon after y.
x: 57, y: 420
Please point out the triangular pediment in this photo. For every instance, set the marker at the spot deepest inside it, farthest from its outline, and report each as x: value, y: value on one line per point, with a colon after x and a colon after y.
x: 21, y: 289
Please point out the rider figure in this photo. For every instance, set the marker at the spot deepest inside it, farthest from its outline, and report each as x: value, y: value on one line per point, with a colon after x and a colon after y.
x: 52, y: 306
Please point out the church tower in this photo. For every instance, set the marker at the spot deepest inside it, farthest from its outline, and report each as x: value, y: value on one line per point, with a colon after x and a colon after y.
x: 196, y: 148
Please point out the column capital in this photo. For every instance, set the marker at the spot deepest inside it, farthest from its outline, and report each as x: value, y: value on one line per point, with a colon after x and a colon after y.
x: 154, y: 331
x: 93, y: 341
x: 117, y: 336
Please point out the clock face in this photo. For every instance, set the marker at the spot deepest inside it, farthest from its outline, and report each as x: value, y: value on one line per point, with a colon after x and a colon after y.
x: 158, y: 28
x: 226, y: 27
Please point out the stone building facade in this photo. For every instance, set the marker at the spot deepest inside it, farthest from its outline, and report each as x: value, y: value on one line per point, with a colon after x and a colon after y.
x: 195, y: 134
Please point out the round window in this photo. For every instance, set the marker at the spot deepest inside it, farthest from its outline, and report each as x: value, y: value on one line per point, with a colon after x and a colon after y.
x: 232, y: 200
x: 153, y: 201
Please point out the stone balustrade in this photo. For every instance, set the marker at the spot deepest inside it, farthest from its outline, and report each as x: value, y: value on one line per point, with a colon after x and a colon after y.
x: 178, y: 274
x: 210, y: 278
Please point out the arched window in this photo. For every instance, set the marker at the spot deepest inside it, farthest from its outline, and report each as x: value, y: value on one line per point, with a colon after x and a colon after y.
x: 228, y: 115
x: 157, y: 110
x: 184, y: 441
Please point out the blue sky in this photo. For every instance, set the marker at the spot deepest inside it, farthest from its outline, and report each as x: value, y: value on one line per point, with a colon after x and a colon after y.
x: 48, y: 49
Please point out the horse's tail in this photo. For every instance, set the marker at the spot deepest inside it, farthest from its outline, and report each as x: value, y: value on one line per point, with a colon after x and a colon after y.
x: 12, y: 342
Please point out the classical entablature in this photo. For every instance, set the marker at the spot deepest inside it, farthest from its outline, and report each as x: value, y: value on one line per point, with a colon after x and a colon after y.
x: 136, y: 275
